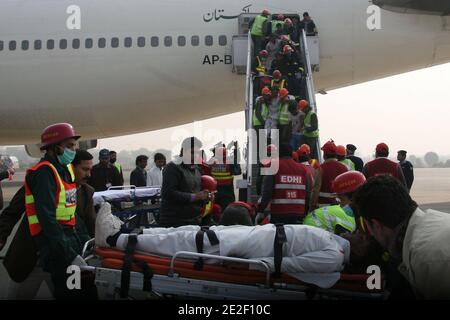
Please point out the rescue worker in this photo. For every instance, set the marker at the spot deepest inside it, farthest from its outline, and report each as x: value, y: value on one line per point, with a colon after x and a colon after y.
x: 339, y: 218
x: 223, y: 170
x: 104, y: 174
x: 359, y: 164
x: 310, y: 127
x: 382, y: 165
x: 4, y: 175
x: 181, y: 194
x: 341, y: 153
x: 260, y: 114
x: 417, y: 241
x: 285, y: 112
x: 288, y: 191
x: 277, y: 80
x: 154, y: 175
x: 288, y: 28
x: 308, y: 25
x: 259, y: 65
x: 407, y: 168
x: 113, y: 161
x: 304, y: 157
x: 21, y: 258
x: 209, y: 208
x: 138, y: 177
x: 292, y: 69
x: 50, y: 202
x: 324, y: 176
x: 257, y: 29
x: 278, y: 23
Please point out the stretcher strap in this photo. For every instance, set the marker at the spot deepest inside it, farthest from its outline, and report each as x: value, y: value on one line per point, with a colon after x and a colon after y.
x: 212, y: 237
x: 280, y: 240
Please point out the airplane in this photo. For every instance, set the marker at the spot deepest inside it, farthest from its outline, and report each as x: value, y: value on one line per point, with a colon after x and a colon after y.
x: 116, y: 67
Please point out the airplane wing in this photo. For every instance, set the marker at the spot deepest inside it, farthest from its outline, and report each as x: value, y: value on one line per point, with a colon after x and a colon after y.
x: 435, y: 7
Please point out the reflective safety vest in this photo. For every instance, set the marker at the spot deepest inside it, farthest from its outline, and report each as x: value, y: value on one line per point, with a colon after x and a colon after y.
x: 283, y: 115
x: 349, y: 164
x: 261, y: 67
x: 330, y: 170
x: 222, y: 173
x: 381, y: 166
x: 289, y: 193
x: 274, y: 25
x: 281, y: 84
x: 257, y: 27
x: 264, y: 114
x: 314, y: 163
x: 307, y: 123
x: 66, y: 200
x: 329, y: 217
x: 118, y: 166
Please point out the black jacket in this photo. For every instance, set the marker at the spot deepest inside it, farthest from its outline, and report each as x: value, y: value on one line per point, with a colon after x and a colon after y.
x: 104, y: 177
x: 138, y: 177
x: 180, y: 182
x: 408, y: 172
x: 3, y: 176
x: 359, y: 164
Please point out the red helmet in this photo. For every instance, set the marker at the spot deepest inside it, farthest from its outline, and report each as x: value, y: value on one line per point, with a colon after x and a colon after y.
x: 265, y: 91
x: 265, y: 13
x: 209, y: 184
x: 348, y: 182
x: 382, y: 147
x: 341, y: 151
x: 280, y: 17
x: 277, y: 74
x: 57, y: 133
x: 329, y: 148
x: 251, y: 208
x: 287, y: 48
x: 304, y: 150
x: 287, y: 21
x: 263, y: 53
x: 303, y: 104
x: 283, y: 93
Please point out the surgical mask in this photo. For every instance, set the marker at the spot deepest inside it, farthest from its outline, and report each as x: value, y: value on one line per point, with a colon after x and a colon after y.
x: 67, y: 157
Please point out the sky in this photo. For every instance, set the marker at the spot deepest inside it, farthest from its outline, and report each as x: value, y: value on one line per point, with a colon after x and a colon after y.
x: 408, y: 111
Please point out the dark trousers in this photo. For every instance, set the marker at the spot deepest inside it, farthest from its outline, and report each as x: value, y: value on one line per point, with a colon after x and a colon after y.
x: 224, y: 196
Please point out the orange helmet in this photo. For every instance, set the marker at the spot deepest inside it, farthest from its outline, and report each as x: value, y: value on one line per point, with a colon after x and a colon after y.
x: 277, y: 74
x: 265, y: 91
x: 341, y: 151
x: 57, y: 133
x: 304, y: 150
x: 283, y: 93
x: 209, y: 184
x: 263, y: 54
x: 280, y: 17
x: 287, y: 49
x: 287, y: 21
x: 348, y: 182
x: 303, y: 104
x: 265, y: 13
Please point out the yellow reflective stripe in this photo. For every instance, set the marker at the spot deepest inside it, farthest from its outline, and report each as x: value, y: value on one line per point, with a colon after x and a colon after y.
x: 72, y: 173
x: 33, y: 219
x: 29, y: 199
x: 221, y: 174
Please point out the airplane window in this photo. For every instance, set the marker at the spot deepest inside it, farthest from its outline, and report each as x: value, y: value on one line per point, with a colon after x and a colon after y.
x: 37, y: 44
x: 181, y: 41
x: 209, y: 40
x: 168, y: 41
x: 88, y: 43
x: 12, y: 45
x: 1, y: 45
x: 223, y: 40
x: 114, y: 42
x: 195, y: 41
x: 50, y: 44
x: 76, y: 43
x: 154, y: 41
x: 128, y: 42
x: 141, y: 42
x: 101, y: 42
x: 63, y: 44
x: 25, y: 45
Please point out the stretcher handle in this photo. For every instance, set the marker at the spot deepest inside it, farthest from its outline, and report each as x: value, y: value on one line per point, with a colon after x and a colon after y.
x: 211, y: 256
x: 88, y: 244
x: 131, y: 186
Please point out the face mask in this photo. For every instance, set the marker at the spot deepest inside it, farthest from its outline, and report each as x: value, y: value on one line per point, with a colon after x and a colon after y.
x: 67, y: 157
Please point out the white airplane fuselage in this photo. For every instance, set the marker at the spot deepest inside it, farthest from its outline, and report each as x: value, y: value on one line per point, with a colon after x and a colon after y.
x: 109, y: 91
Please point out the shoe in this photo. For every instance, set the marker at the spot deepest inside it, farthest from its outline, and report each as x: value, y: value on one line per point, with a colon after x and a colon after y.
x: 106, y: 225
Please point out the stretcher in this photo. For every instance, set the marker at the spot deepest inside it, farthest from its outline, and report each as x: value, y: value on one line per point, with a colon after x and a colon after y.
x: 127, y: 194
x: 178, y: 276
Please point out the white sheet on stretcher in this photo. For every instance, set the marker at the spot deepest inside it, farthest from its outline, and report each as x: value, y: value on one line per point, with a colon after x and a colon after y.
x: 311, y: 255
x: 125, y: 195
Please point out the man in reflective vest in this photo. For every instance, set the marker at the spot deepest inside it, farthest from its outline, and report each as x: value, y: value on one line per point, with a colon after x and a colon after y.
x: 324, y: 176
x: 50, y: 204
x: 288, y: 191
x: 382, y: 165
x: 113, y: 161
x: 223, y: 170
x: 278, y: 23
x: 341, y: 153
x: 310, y: 127
x: 303, y: 155
x: 257, y: 30
x: 338, y: 218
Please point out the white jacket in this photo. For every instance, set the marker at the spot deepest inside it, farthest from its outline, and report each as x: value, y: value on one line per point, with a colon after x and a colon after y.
x: 426, y: 254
